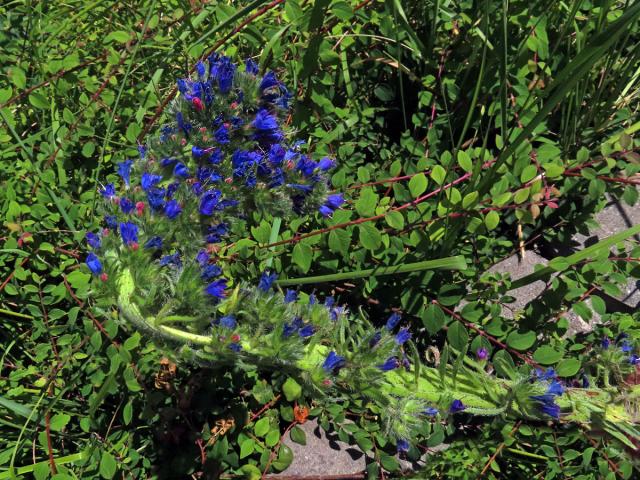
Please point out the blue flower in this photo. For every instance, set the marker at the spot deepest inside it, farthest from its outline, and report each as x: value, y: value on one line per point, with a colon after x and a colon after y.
x: 215, y: 232
x: 124, y: 170
x: 236, y: 347
x: 294, y: 326
x: 93, y: 262
x: 149, y: 180
x: 222, y: 71
x: 333, y: 362
x: 605, y: 343
x: 306, y: 331
x: 546, y: 404
x: 634, y: 360
x: 142, y: 150
x: 390, y: 364
x: 543, y: 375
x: 302, y: 188
x: 555, y: 388
x: 482, y: 354
x: 402, y: 336
x: 250, y: 67
x: 626, y: 347
x: 209, y: 202
x: 172, y: 209
x: 154, y: 242
x: 93, y: 240
x: 217, y: 289
x: 276, y: 154
x: 108, y: 191
x: 111, y: 221
x: 181, y: 170
x: 290, y: 296
x: 198, y: 152
x: 129, y: 233
x: 173, y: 259
x: 326, y: 164
x: 222, y: 135
x: 585, y: 381
x: 185, y: 127
x: 172, y: 188
x: 393, y: 321
x: 402, y: 445
x: 306, y: 166
x: 167, y: 162
x: 325, y: 211
x: 210, y: 271
x: 375, y: 339
x: 126, y: 205
x: 457, y: 406
x: 155, y: 197
x: 201, y: 70
x: 266, y: 281
x: 216, y: 156
x: 266, y: 127
x: 430, y: 411
x: 202, y: 257
x: 228, y: 321
x: 268, y: 81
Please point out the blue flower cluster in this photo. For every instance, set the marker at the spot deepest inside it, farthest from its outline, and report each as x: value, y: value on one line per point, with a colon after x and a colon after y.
x: 225, y: 155
x: 546, y: 402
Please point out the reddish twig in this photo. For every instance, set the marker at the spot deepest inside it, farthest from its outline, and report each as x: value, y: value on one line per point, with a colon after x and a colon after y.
x: 628, y: 181
x: 8, y: 279
x: 498, y: 450
x: 274, y: 452
x: 266, y: 407
x: 81, y: 305
x: 405, y: 206
x: 493, y: 340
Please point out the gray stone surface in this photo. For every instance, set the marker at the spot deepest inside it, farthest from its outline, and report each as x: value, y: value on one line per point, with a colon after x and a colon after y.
x: 520, y: 267
x: 615, y: 218
x: 323, y: 454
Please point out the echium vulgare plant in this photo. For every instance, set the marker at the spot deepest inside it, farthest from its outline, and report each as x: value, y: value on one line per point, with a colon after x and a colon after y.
x: 196, y: 188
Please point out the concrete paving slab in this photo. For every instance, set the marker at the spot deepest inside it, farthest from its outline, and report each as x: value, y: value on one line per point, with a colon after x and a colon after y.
x: 323, y: 454
x: 615, y: 218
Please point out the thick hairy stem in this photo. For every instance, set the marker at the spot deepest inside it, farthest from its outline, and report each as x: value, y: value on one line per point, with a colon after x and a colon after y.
x: 483, y: 395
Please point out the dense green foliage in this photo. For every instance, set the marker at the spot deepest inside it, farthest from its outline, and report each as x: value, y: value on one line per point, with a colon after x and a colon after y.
x: 529, y: 107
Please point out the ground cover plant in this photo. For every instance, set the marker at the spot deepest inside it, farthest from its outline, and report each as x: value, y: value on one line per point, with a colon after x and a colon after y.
x: 438, y: 139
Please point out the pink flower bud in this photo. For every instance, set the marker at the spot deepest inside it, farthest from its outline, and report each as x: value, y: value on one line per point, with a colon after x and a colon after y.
x: 135, y: 246
x: 197, y: 104
x: 139, y: 208
x: 104, y: 277
x: 228, y: 180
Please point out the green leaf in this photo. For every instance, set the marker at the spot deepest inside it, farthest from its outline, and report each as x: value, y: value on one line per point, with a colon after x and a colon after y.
x: 521, y: 341
x: 292, y: 389
x: 438, y: 174
x: 119, y: 36
x: 38, y: 100
x: 465, y: 161
x: 298, y: 435
x: 272, y: 438
x: 5, y: 94
x: 457, y: 335
x: 108, y: 465
x: 568, y: 367
x: 547, y: 355
x: 395, y: 220
x: 284, y: 459
x: 529, y: 172
x: 367, y: 202
x: 491, y: 220
x: 369, y: 236
x: 433, y: 319
x: 470, y: 200
x: 247, y: 447
x: 302, y: 256
x: 261, y: 427
x: 59, y: 421
x: 418, y: 184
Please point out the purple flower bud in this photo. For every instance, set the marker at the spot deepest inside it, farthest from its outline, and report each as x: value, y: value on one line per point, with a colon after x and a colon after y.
x: 482, y: 354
